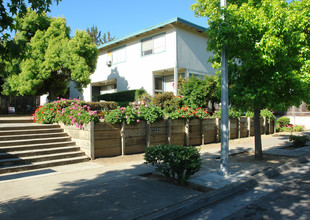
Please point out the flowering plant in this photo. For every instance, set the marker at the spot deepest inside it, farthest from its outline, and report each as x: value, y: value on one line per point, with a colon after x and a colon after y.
x: 134, y: 113
x: 69, y: 112
x: 188, y: 113
x: 268, y: 114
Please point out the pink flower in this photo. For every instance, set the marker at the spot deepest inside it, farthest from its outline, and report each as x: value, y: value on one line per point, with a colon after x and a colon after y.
x: 146, y: 106
x: 123, y: 112
x: 79, y: 113
x: 126, y: 116
x: 138, y: 120
x: 101, y: 117
x: 139, y: 113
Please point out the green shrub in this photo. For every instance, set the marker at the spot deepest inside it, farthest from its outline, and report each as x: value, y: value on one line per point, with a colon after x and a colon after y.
x: 232, y: 113
x: 194, y: 91
x: 134, y: 113
x: 167, y: 101
x: 123, y: 104
x: 199, y: 92
x: 299, y: 141
x: 144, y: 98
x: 150, y: 113
x: 291, y: 128
x: 283, y: 121
x: 122, y: 96
x: 176, y: 162
x: 298, y: 128
x: 265, y: 113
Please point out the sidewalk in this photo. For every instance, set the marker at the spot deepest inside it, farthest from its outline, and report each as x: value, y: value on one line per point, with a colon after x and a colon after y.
x: 101, y: 190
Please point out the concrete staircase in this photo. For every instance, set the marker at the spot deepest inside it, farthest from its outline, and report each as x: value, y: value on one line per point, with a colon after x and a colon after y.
x: 26, y: 146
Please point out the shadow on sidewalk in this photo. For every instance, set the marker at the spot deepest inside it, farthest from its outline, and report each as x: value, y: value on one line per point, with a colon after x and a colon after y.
x: 119, y: 194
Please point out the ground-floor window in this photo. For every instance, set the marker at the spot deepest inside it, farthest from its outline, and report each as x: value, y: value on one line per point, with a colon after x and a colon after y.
x: 108, y: 89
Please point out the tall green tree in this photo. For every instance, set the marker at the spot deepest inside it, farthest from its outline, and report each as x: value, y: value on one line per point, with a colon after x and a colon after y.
x: 268, y: 52
x: 8, y: 10
x: 96, y: 38
x: 48, y: 58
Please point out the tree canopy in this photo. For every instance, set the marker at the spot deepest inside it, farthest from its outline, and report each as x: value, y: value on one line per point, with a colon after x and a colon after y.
x: 48, y: 58
x: 96, y: 38
x: 8, y: 10
x: 268, y: 50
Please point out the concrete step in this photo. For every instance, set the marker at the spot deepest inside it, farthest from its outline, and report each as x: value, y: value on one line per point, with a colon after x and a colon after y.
x: 23, y: 137
x: 9, y: 127
x: 37, y: 146
x: 27, y: 153
x: 44, y: 164
x: 30, y: 131
x: 4, y: 144
x: 13, y: 120
x: 39, y: 158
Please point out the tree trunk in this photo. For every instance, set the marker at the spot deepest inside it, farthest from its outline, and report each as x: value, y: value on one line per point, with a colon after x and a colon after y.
x: 258, y: 140
x: 51, y: 96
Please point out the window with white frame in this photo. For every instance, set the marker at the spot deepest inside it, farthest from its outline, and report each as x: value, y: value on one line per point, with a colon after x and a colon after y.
x: 155, y: 44
x: 108, y: 89
x: 117, y: 55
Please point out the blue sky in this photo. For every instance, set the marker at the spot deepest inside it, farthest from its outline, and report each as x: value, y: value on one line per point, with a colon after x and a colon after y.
x: 123, y: 17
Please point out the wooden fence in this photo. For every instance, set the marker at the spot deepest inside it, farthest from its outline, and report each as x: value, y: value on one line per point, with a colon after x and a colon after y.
x: 120, y: 139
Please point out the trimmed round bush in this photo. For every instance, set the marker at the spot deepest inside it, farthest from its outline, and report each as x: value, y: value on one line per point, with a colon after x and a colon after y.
x: 174, y: 161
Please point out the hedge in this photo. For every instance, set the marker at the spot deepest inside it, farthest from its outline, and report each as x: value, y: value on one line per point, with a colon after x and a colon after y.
x: 122, y: 96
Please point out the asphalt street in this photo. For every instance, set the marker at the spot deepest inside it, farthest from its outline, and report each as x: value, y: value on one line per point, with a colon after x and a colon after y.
x: 285, y: 197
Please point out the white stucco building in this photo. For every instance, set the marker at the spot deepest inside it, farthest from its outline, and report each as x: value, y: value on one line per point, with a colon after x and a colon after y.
x: 151, y: 59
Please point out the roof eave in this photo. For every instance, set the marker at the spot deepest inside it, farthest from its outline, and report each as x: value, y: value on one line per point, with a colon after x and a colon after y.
x: 161, y: 25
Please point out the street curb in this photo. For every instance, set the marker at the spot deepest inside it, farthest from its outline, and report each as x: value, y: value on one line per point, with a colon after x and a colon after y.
x: 193, y: 204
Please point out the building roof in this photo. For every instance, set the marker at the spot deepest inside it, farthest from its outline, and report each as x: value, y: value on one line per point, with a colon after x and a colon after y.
x: 172, y: 22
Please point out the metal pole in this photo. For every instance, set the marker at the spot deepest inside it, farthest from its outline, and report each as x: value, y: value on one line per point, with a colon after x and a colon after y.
x: 224, y: 164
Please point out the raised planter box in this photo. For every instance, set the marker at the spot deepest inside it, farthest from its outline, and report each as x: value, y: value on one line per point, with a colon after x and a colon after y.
x: 120, y: 139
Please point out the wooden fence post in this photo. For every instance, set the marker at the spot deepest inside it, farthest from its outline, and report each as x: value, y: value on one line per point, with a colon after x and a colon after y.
x: 123, y: 138
x: 239, y: 127
x: 249, y: 126
x: 202, y: 130
x: 229, y: 130
x: 148, y: 133
x: 187, y: 132
x: 217, y: 125
x: 92, y: 140
x: 169, y: 131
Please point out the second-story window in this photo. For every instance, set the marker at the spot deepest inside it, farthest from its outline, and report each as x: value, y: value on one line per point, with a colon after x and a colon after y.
x: 117, y: 55
x: 155, y: 44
